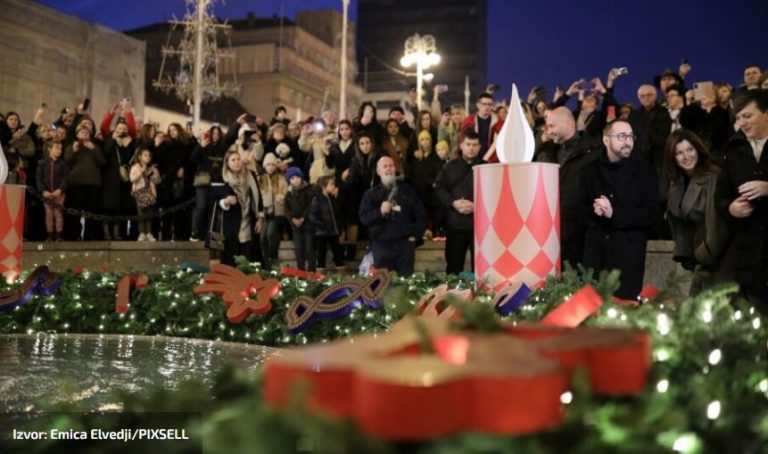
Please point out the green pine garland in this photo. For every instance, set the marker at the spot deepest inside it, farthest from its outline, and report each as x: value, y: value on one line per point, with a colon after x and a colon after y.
x: 707, y: 390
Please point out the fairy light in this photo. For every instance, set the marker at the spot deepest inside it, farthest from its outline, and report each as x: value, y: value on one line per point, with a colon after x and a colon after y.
x: 706, y: 316
x: 685, y: 443
x: 662, y: 386
x: 566, y: 398
x: 713, y: 409
x: 612, y: 313
x: 756, y: 323
x: 715, y: 356
x: 763, y: 385
x: 662, y: 354
x: 662, y: 324
x: 737, y: 315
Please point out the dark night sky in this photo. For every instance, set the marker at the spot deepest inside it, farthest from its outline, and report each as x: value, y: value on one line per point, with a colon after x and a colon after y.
x: 551, y: 43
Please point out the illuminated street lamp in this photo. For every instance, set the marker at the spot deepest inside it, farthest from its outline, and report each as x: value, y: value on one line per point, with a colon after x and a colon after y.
x: 421, y: 51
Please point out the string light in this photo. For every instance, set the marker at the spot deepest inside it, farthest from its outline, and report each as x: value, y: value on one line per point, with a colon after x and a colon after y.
x: 566, y: 398
x: 715, y: 356
x: 713, y: 409
x: 662, y: 386
x: 756, y: 323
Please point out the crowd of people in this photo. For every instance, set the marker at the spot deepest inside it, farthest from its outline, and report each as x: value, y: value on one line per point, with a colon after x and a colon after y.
x: 684, y: 164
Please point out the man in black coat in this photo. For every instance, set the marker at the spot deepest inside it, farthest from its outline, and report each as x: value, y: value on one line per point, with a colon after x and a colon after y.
x: 396, y: 220
x: 621, y: 200
x: 652, y: 125
x: 742, y: 195
x: 573, y: 152
x: 455, y: 189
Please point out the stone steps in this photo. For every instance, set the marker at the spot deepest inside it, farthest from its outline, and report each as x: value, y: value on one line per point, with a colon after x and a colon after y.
x: 148, y: 256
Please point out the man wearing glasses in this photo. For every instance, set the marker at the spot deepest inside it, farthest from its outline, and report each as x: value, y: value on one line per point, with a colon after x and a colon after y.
x: 481, y: 122
x: 622, y: 195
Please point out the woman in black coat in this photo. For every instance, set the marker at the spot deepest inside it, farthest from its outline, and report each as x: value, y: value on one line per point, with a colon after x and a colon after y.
x: 239, y: 201
x: 362, y: 172
x: 339, y: 158
x: 698, y: 229
x: 173, y: 157
x: 115, y: 186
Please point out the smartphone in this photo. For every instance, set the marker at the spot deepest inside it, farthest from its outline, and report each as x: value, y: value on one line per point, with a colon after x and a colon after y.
x: 703, y: 90
x: 611, y: 112
x: 86, y: 103
x: 250, y: 118
x: 623, y: 71
x: 442, y: 88
x: 189, y: 124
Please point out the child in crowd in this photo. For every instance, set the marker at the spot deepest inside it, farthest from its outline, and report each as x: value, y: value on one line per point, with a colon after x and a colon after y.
x: 297, y: 204
x: 52, y: 183
x: 273, y: 191
x: 144, y: 177
x: 443, y: 151
x: 323, y: 215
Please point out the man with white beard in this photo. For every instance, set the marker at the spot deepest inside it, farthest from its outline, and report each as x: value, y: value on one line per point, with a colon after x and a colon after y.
x: 395, y: 218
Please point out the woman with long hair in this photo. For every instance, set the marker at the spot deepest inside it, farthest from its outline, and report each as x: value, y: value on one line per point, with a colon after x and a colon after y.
x: 242, y: 209
x: 339, y: 158
x: 173, y: 157
x: 698, y: 229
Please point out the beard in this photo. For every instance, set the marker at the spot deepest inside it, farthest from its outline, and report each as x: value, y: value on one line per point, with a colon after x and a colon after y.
x: 388, y: 180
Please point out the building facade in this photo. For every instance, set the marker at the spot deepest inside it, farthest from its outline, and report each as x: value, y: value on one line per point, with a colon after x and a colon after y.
x: 459, y: 28
x: 277, y: 62
x: 50, y: 57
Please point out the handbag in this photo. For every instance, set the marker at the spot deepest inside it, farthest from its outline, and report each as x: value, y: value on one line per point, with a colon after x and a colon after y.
x: 144, y: 196
x: 215, y: 237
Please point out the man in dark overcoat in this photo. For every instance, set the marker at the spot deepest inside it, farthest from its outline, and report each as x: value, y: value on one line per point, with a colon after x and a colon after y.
x: 621, y: 198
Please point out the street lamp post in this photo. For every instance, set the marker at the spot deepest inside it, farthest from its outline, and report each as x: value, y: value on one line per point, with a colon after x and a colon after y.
x: 422, y: 52
x: 343, y: 82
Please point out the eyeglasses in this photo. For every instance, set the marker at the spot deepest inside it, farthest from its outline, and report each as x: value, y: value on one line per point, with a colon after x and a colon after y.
x: 624, y: 137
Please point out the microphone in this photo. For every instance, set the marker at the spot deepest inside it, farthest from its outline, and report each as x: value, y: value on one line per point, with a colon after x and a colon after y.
x: 395, y: 188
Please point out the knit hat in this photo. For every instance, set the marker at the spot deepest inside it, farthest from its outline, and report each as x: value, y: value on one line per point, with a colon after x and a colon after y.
x: 293, y: 172
x: 275, y: 127
x: 270, y: 158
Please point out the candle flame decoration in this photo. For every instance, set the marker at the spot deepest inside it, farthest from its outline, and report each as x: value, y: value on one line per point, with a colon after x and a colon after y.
x: 3, y: 166
x: 515, y: 142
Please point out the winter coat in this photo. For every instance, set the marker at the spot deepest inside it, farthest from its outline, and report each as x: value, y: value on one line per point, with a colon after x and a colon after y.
x: 298, y: 201
x: 114, y: 190
x: 698, y: 228
x: 746, y: 257
x: 232, y: 217
x: 172, y: 155
x: 455, y: 182
x: 619, y: 242
x: 573, y: 156
x: 274, y: 188
x: 315, y: 145
x: 374, y: 129
x: 52, y: 175
x: 422, y: 173
x: 138, y: 180
x: 396, y: 226
x: 348, y: 201
x: 323, y: 215
x: 85, y: 165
